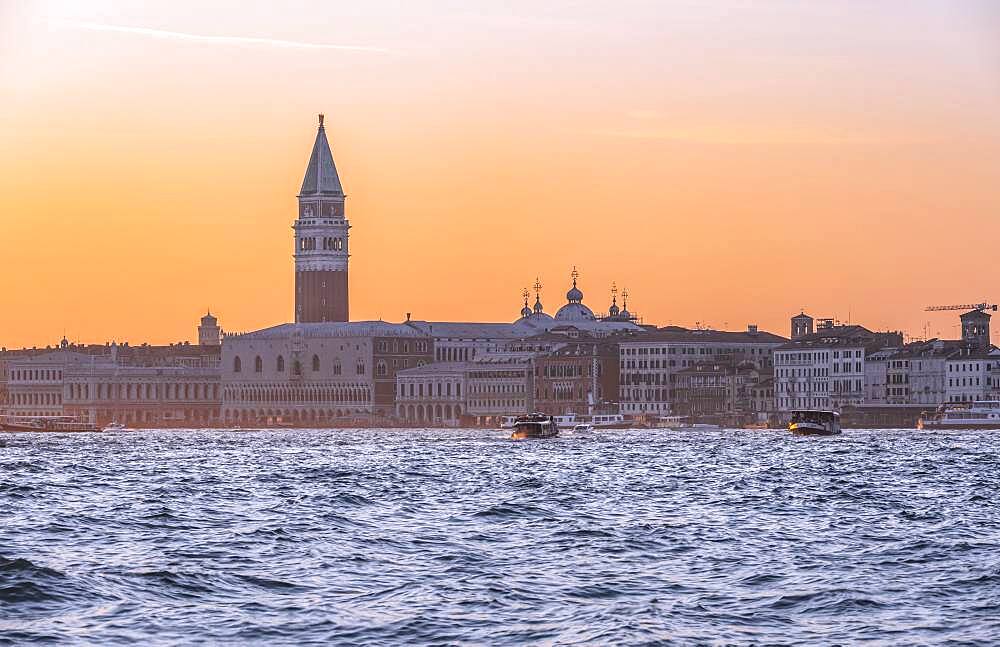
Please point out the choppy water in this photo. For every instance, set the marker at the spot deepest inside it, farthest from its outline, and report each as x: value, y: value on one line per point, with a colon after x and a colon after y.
x: 413, y: 537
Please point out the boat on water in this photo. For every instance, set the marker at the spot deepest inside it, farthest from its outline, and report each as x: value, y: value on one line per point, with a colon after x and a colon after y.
x: 535, y: 425
x: 814, y: 422
x: 583, y: 428
x: 983, y: 415
x: 596, y: 421
x: 676, y: 423
x: 115, y: 426
x: 47, y: 424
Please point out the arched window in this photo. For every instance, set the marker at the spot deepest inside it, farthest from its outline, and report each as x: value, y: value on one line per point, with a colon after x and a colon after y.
x: 296, y: 367
x: 361, y: 367
x: 336, y: 367
x: 281, y: 364
x: 258, y: 365
x: 315, y: 363
x: 237, y: 364
x: 380, y: 369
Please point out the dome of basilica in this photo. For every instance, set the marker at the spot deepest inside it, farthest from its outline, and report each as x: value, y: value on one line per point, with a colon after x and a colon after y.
x: 575, y: 312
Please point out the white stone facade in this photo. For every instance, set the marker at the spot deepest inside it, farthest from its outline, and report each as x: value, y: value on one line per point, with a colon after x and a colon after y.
x: 649, y: 362
x: 317, y: 374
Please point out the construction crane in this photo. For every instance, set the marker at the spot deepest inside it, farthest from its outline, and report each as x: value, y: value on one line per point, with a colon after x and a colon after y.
x: 964, y: 306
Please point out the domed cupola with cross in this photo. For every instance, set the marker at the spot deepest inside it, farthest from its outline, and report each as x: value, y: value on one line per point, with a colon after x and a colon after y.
x: 321, y: 232
x: 574, y: 310
x: 625, y: 314
x: 525, y: 311
x: 614, y: 310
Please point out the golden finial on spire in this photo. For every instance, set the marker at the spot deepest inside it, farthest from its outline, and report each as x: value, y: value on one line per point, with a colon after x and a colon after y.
x: 575, y: 275
x: 321, y: 119
x: 537, y: 286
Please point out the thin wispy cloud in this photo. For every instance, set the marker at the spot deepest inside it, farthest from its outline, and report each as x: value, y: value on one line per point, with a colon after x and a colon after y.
x: 219, y: 40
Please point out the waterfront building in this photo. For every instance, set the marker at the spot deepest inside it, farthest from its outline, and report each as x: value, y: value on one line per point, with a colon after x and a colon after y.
x: 971, y: 373
x: 321, y: 240
x: 6, y: 358
x: 876, y: 375
x: 174, y: 385
x: 147, y: 386
x: 762, y: 396
x: 927, y: 370
x: 35, y: 382
x: 935, y: 371
x: 318, y: 374
x: 575, y: 373
x: 500, y: 384
x: 649, y: 360
x: 721, y: 389
x: 433, y: 394
x: 826, y: 369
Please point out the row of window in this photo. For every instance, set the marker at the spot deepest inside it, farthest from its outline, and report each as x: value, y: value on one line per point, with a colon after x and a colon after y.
x: 967, y: 367
x: 455, y: 354
x: 384, y: 346
x: 433, y: 389
x: 145, y: 391
x: 563, y: 370
x: 279, y: 365
x: 786, y: 357
x: 696, y: 350
x: 25, y: 399
x: 802, y: 372
x: 36, y: 375
x: 517, y: 387
x: 328, y: 244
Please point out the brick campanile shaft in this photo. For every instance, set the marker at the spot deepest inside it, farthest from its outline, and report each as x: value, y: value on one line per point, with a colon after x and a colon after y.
x: 321, y: 231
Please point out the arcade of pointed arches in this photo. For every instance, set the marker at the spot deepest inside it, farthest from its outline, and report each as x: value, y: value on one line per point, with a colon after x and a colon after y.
x: 296, y: 403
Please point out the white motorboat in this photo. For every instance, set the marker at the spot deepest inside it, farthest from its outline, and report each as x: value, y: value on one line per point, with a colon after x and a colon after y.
x: 681, y: 422
x: 115, y: 426
x: 983, y: 415
x: 596, y: 421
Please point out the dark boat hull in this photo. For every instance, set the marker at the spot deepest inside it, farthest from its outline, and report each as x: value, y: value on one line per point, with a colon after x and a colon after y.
x: 813, y: 429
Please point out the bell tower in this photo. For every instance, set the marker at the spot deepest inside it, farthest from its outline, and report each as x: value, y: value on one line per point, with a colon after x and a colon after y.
x: 321, y: 232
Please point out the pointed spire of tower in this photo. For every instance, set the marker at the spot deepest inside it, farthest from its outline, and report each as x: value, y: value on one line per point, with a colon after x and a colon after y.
x: 321, y: 175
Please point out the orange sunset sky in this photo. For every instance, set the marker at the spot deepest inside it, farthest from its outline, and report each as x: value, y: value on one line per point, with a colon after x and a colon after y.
x: 728, y: 161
